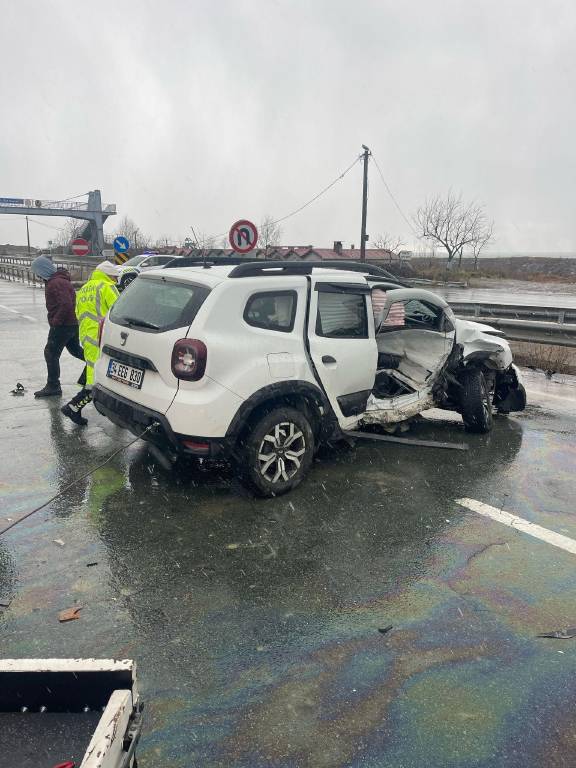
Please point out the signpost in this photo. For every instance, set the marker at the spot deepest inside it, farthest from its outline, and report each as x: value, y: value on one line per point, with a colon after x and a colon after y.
x: 80, y: 247
x: 121, y: 246
x: 243, y: 236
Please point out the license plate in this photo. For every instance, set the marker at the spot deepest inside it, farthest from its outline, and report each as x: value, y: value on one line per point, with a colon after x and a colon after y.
x: 126, y: 374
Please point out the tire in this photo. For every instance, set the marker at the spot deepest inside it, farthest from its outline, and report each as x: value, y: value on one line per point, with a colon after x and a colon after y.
x: 266, y: 465
x: 476, y: 403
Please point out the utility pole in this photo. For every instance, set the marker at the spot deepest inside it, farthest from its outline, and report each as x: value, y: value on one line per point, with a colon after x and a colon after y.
x: 28, y: 236
x: 363, y: 236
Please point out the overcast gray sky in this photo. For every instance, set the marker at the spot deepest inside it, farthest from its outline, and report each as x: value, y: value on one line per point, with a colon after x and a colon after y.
x: 195, y: 112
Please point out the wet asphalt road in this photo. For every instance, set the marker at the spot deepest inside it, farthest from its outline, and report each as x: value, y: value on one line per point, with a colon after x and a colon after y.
x: 255, y: 623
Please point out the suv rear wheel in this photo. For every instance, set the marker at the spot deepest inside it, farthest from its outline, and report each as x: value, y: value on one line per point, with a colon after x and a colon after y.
x: 476, y: 403
x: 277, y: 452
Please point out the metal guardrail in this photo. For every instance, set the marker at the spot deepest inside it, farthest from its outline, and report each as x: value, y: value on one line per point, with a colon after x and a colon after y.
x: 489, y: 311
x: 540, y: 325
x: 17, y: 268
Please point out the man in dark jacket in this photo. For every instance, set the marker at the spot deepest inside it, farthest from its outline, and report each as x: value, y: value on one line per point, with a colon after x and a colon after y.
x: 60, y: 303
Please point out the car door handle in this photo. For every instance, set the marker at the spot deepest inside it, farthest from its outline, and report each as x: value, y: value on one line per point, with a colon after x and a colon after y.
x: 327, y: 359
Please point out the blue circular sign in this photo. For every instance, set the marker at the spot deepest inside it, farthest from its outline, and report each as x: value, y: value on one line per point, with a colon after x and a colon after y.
x: 121, y: 244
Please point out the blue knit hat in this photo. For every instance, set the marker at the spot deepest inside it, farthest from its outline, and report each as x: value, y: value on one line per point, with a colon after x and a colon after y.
x: 43, y: 267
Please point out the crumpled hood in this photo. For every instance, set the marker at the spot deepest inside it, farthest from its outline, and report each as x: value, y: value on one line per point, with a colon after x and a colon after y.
x: 479, y: 339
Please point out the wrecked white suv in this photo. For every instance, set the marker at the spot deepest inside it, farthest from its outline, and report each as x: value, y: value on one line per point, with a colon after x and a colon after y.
x: 261, y: 362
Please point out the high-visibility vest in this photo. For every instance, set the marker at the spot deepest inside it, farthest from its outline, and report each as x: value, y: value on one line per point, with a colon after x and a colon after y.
x: 93, y: 301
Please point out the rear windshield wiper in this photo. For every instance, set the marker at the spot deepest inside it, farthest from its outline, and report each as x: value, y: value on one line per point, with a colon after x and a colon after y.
x: 141, y: 323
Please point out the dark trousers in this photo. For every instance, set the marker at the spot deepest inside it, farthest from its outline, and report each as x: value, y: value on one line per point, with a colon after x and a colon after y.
x: 80, y: 400
x: 60, y: 336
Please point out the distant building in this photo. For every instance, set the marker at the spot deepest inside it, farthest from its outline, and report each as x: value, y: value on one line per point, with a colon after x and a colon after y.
x: 300, y: 253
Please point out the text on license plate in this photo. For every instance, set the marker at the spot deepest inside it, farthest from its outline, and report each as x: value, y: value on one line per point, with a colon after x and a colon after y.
x: 126, y: 374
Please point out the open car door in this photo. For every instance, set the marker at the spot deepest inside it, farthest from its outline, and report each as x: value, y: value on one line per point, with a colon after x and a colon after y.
x: 414, y: 337
x: 342, y: 344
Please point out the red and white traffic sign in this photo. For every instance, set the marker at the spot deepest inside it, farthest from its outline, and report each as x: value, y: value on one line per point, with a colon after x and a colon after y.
x: 243, y: 236
x: 80, y: 247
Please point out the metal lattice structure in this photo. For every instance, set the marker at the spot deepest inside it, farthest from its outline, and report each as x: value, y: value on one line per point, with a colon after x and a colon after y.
x: 92, y: 211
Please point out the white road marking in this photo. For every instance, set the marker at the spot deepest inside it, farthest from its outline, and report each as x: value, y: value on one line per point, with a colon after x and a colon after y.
x: 550, y: 537
x: 15, y: 312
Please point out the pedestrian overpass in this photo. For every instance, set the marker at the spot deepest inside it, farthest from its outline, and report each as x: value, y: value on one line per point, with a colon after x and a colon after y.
x: 91, y: 211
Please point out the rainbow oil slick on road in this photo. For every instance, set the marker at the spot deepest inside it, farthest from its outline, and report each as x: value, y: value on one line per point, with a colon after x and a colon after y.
x: 255, y: 623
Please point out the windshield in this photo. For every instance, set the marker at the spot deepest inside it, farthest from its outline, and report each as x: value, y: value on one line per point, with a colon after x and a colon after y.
x: 158, y: 305
x: 134, y: 261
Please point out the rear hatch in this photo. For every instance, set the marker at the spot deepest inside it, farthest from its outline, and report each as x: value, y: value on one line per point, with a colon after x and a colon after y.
x: 139, y: 335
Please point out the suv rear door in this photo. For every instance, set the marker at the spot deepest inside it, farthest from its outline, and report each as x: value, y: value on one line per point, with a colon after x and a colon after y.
x: 139, y: 336
x: 342, y: 344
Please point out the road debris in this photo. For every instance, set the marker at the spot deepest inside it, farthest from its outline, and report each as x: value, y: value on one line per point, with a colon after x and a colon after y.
x: 385, y: 630
x: 232, y: 546
x: 69, y: 614
x: 4, y: 604
x: 560, y: 634
x: 60, y: 542
x: 405, y: 440
x: 90, y: 565
x: 18, y: 390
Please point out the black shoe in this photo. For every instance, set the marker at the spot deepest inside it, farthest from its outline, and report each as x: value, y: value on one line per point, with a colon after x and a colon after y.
x: 50, y: 390
x: 75, y: 416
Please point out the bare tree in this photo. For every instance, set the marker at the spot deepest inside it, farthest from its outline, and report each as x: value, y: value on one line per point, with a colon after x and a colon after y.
x: 131, y: 231
x: 388, y: 243
x: 478, y: 246
x: 71, y: 230
x: 269, y: 233
x: 453, y: 224
x: 205, y: 241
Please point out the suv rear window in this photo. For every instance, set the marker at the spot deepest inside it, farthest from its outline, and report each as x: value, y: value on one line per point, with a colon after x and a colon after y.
x: 273, y: 310
x: 158, y: 305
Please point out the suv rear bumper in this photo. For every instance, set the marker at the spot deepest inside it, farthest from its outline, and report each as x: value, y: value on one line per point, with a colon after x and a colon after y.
x: 136, y: 418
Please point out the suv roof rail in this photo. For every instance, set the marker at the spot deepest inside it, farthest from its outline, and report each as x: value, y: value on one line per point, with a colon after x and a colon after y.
x: 259, y: 268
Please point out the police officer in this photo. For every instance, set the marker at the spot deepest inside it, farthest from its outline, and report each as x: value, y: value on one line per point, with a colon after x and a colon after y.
x: 93, y: 301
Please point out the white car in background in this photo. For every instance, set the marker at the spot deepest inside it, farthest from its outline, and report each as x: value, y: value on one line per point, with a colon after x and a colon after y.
x: 130, y: 270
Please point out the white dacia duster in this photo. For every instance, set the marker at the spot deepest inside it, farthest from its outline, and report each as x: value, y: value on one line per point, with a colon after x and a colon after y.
x: 260, y: 362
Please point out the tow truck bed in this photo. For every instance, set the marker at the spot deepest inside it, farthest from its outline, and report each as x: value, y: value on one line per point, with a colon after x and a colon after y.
x: 83, y: 711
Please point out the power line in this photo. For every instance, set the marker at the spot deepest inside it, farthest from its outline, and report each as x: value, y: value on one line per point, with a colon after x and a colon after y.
x: 312, y: 200
x: 43, y: 224
x: 323, y: 191
x: 400, y: 211
x: 34, y: 221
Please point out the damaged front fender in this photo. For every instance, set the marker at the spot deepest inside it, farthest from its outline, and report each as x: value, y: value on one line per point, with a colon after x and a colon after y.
x: 483, y: 344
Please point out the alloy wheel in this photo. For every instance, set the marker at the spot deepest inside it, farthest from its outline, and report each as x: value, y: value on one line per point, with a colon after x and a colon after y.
x: 280, y: 451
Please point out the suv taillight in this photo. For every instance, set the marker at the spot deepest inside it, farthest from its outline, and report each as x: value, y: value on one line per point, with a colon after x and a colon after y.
x: 100, y: 330
x: 189, y: 359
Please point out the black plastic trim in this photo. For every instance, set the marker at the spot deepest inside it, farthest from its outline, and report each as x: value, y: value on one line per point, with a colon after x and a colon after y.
x: 128, y: 415
x: 272, y: 391
x: 124, y: 357
x: 354, y: 404
x: 342, y: 288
